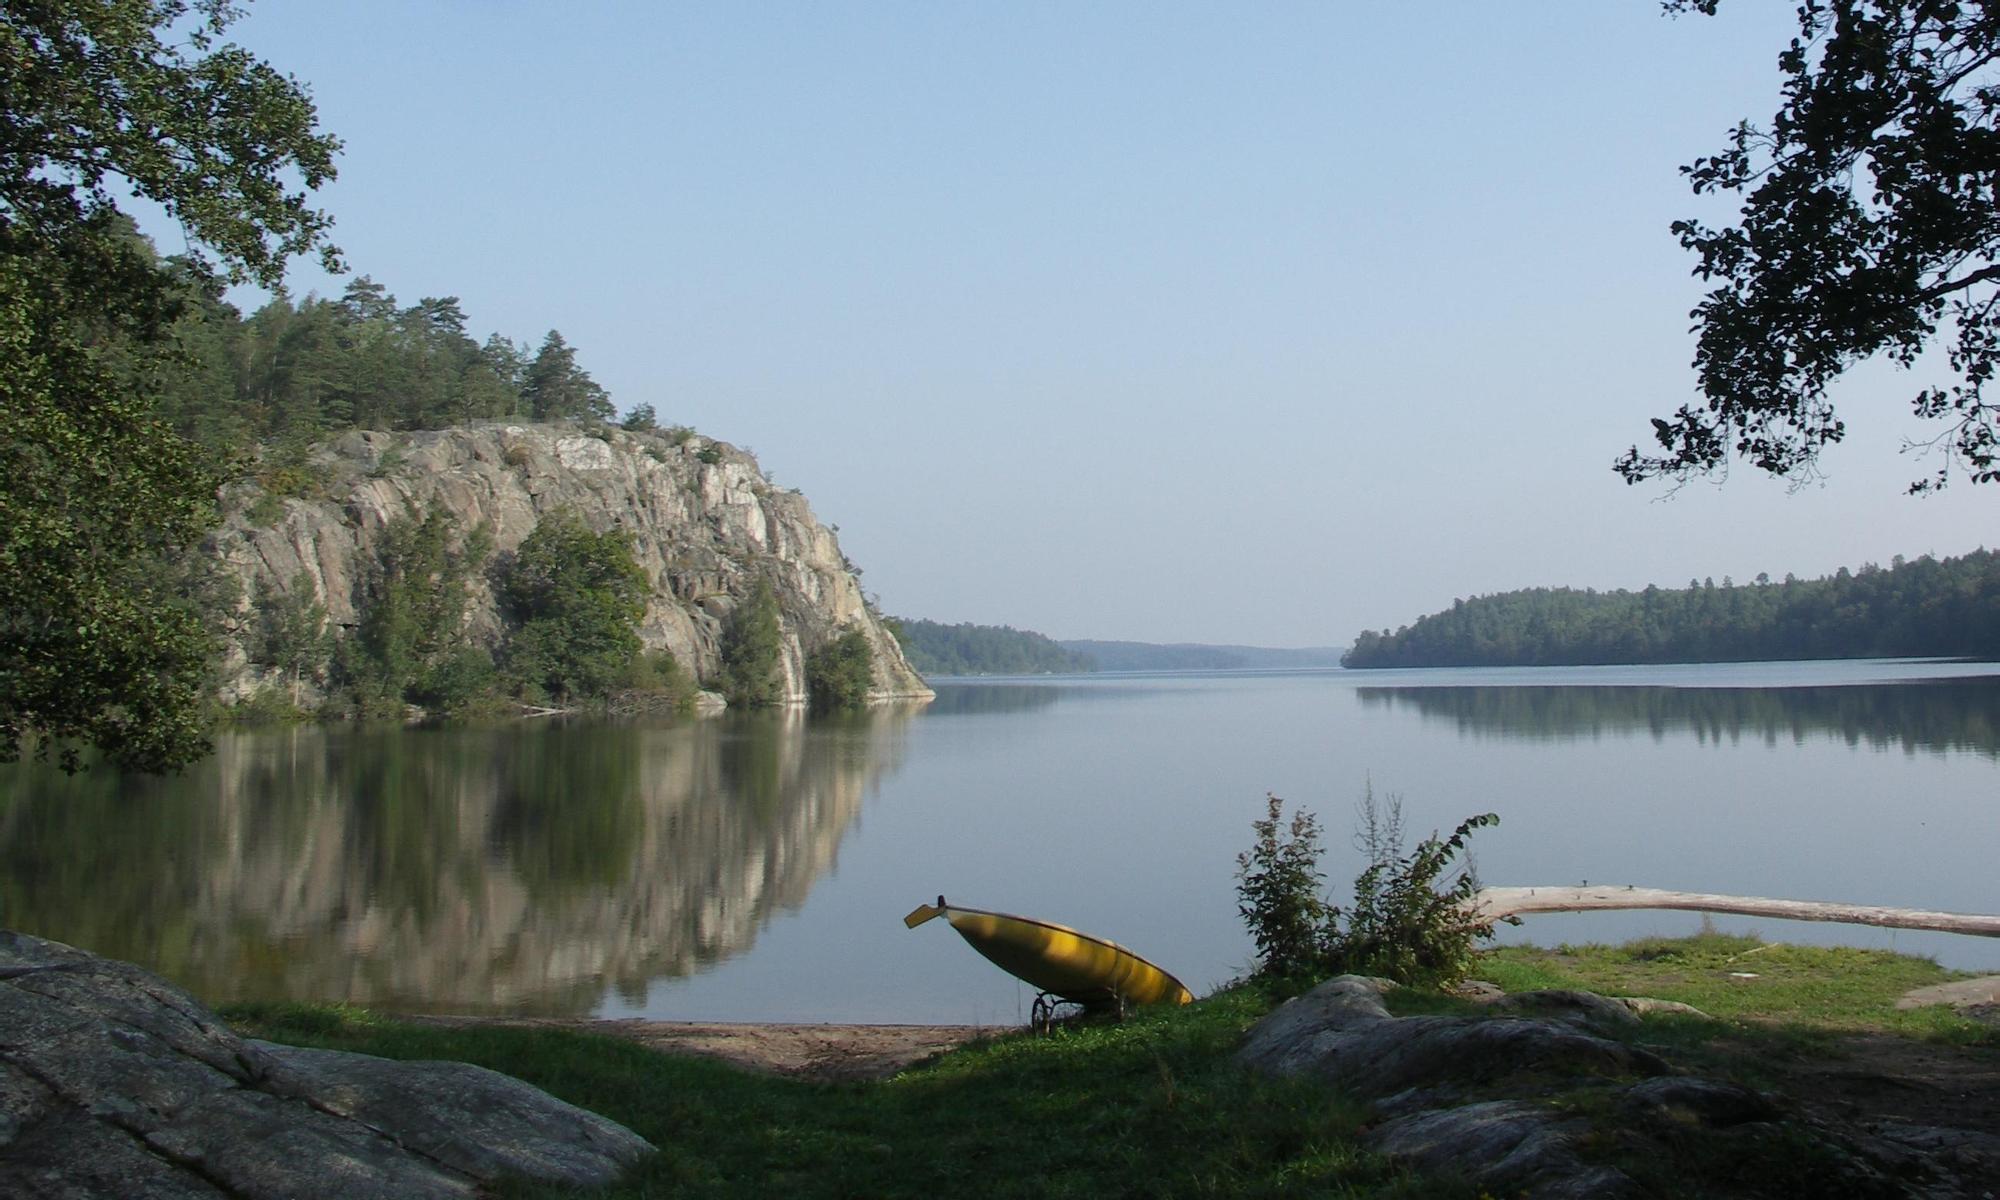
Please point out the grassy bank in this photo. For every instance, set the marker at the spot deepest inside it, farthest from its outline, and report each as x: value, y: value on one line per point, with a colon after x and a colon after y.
x: 1151, y: 1107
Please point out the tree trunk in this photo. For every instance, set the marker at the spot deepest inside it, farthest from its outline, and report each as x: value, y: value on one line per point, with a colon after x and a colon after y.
x: 1496, y: 902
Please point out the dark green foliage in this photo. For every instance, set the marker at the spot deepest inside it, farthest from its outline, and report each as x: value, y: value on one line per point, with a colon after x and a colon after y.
x: 840, y: 673
x: 1926, y: 607
x: 293, y: 372
x: 576, y: 598
x: 968, y: 649
x: 96, y: 502
x: 655, y: 681
x: 553, y: 386
x: 641, y: 419
x: 1278, y: 894
x: 96, y: 499
x: 1867, y: 222
x: 1401, y: 926
x: 407, y: 648
x: 291, y: 633
x: 751, y: 650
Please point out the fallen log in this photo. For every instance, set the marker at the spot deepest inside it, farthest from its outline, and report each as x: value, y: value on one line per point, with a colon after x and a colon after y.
x: 1494, y: 903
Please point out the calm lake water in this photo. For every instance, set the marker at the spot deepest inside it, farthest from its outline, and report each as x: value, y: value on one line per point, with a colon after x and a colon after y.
x: 757, y: 867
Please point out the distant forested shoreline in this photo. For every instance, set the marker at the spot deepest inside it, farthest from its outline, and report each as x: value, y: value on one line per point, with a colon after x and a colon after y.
x: 1197, y: 656
x: 934, y: 648
x: 1926, y: 607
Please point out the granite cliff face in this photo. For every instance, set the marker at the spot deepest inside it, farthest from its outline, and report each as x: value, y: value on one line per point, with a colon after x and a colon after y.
x: 705, y: 525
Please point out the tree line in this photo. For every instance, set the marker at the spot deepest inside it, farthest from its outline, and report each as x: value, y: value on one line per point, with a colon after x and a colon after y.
x: 294, y: 371
x: 1943, y: 607
x: 968, y: 649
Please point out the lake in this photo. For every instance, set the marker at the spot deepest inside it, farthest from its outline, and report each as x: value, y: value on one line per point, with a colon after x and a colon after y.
x: 756, y: 867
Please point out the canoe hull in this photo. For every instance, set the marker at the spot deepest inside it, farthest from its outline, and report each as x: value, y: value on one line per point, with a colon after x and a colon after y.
x: 1065, y: 962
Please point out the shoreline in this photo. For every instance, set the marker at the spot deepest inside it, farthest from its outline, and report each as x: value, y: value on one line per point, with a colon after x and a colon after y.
x: 824, y: 1053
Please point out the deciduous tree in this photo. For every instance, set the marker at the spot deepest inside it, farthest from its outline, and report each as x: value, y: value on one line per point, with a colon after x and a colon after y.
x: 102, y: 99
x: 1870, y: 225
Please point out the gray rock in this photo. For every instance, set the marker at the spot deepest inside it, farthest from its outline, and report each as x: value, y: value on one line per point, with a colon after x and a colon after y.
x: 1646, y: 1006
x: 1479, y: 991
x: 706, y: 524
x: 1282, y: 1042
x: 115, y: 1083
x: 473, y: 1120
x: 1689, y: 1100
x: 1341, y: 1032
x: 1584, y: 1008
x: 1960, y: 994
x: 1516, y: 1146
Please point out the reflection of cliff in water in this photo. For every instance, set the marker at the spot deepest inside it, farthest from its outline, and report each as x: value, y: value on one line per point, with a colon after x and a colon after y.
x: 520, y: 868
x: 1945, y: 714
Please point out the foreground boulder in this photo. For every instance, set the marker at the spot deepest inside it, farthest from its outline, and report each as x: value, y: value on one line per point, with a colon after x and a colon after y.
x: 115, y: 1083
x: 1550, y: 1106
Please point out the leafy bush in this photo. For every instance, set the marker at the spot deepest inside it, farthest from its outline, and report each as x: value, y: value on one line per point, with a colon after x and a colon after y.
x: 576, y: 597
x: 1402, y: 925
x: 1278, y: 893
x: 655, y: 681
x: 839, y: 674
x: 710, y: 454
x: 406, y: 648
x: 291, y: 631
x: 640, y: 420
x: 751, y: 646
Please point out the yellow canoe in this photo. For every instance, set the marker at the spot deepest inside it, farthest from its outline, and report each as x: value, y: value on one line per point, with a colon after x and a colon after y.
x: 1056, y: 959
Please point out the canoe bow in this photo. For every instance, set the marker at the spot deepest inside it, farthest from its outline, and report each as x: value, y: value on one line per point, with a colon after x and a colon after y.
x: 1092, y: 971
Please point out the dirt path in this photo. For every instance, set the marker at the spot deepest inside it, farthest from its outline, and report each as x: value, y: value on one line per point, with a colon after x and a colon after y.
x: 822, y: 1052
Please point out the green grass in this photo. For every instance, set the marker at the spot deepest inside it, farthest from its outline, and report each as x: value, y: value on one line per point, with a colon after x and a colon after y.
x: 1153, y: 1106
x: 1150, y: 1107
x: 1824, y: 989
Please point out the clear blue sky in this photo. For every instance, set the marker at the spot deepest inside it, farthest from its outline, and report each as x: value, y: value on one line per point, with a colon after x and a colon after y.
x: 1168, y: 322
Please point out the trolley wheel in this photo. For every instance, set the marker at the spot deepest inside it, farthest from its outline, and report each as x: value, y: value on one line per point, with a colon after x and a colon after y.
x: 1042, y: 1015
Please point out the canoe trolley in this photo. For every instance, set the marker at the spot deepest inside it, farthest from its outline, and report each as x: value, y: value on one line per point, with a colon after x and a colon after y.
x: 1065, y: 966
x: 1042, y: 1014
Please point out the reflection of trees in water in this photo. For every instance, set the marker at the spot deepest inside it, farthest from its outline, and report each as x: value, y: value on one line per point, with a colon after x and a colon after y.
x: 1952, y: 714
x: 526, y: 868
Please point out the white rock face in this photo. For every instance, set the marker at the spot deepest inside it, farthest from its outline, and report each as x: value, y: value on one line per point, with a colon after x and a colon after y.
x: 704, y: 521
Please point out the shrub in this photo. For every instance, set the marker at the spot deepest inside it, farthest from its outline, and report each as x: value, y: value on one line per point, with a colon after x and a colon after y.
x: 390, y: 459
x: 678, y: 435
x: 291, y: 631
x: 839, y: 674
x: 655, y: 681
x: 640, y: 420
x: 1279, y: 896
x: 751, y: 646
x: 1402, y: 925
x: 710, y: 454
x: 576, y: 598
x: 406, y: 648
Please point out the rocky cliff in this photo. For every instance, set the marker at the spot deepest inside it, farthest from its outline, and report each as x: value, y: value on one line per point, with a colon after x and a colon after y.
x: 705, y: 525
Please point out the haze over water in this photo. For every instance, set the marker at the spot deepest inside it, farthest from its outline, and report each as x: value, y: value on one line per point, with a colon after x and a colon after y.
x: 754, y: 868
